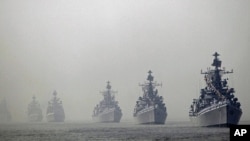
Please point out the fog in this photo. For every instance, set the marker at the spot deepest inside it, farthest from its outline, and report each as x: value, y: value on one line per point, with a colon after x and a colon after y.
x: 76, y: 46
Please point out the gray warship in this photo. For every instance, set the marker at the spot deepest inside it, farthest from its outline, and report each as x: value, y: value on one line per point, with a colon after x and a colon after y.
x: 107, y: 110
x: 149, y: 108
x: 55, y: 111
x: 217, y: 105
x: 5, y: 115
x: 34, y: 111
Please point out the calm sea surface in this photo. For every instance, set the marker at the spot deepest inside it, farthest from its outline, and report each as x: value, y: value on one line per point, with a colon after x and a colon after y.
x: 124, y: 131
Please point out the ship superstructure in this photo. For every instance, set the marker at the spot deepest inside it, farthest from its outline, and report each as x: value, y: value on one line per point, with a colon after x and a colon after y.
x: 55, y: 111
x: 34, y: 111
x: 217, y: 105
x: 150, y: 108
x: 108, y: 109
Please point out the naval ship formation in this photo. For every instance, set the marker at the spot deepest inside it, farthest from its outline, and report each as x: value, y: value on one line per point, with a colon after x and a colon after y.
x: 55, y: 111
x: 149, y: 108
x: 217, y: 105
x: 107, y: 110
x: 34, y: 111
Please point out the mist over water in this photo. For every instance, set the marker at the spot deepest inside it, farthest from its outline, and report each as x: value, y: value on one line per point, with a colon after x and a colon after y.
x: 75, y: 47
x: 128, y: 131
x: 123, y: 131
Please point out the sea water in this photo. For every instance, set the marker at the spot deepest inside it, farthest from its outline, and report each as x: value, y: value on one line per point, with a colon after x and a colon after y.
x: 123, y: 131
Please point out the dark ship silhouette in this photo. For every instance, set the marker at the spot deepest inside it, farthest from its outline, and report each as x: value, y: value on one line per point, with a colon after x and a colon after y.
x: 55, y: 111
x: 149, y: 108
x: 217, y: 105
x: 107, y: 110
x: 5, y: 115
x: 34, y: 111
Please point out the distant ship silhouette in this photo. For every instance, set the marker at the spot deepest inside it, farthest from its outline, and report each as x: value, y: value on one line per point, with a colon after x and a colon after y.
x: 55, y: 111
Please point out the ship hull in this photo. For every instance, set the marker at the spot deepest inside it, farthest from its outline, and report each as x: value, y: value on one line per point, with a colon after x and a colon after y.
x: 35, y: 117
x: 151, y: 115
x: 52, y: 117
x: 217, y: 115
x: 108, y: 115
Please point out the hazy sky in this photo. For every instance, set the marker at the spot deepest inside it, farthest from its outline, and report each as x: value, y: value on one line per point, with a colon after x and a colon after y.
x: 75, y: 46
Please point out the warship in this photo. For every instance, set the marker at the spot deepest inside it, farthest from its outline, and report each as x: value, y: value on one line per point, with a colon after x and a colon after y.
x: 34, y: 111
x: 216, y: 105
x: 55, y: 111
x: 149, y: 108
x: 107, y: 110
x: 5, y: 115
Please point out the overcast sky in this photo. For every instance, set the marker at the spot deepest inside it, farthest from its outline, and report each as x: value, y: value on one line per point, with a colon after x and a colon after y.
x: 76, y: 46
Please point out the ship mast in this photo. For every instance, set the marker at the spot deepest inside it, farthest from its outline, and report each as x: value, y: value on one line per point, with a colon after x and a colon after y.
x: 34, y: 98
x: 213, y: 77
x: 108, y: 97
x: 217, y: 62
x: 54, y: 93
x: 150, y: 77
x: 34, y: 102
x: 148, y: 88
x: 109, y: 91
x: 108, y: 86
